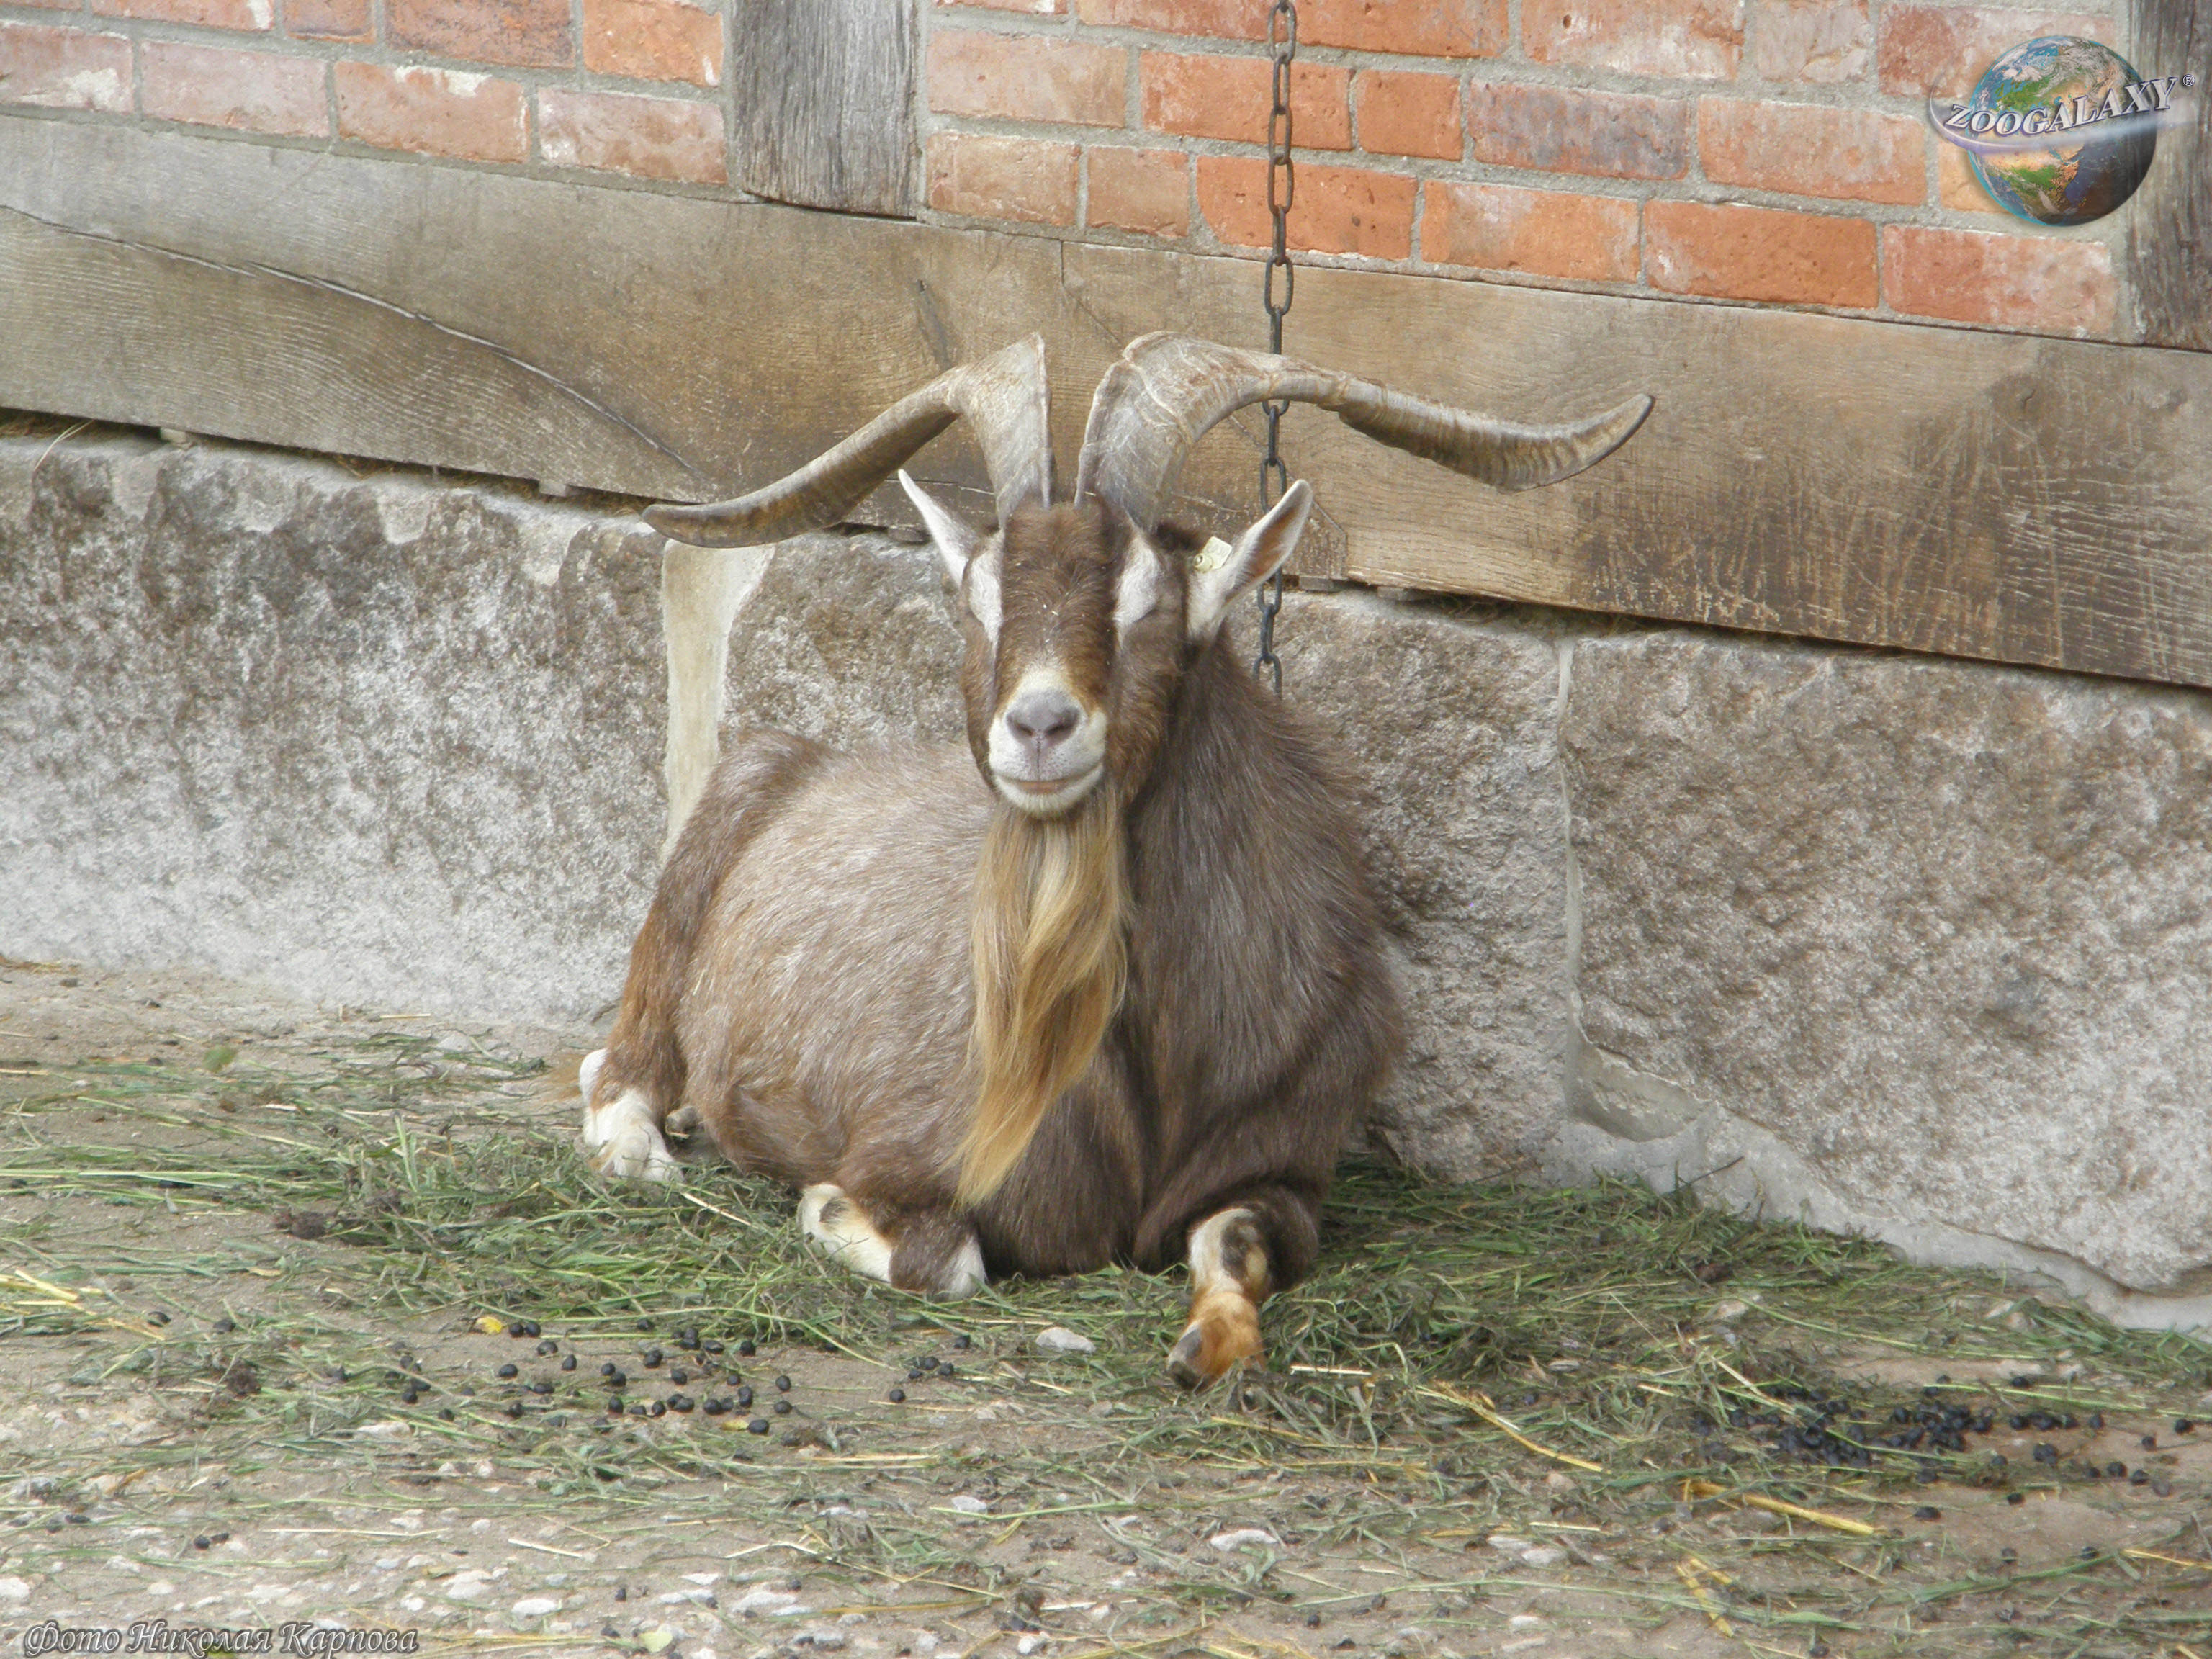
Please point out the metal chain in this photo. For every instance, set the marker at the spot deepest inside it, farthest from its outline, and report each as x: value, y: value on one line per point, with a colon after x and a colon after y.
x: 1282, y: 186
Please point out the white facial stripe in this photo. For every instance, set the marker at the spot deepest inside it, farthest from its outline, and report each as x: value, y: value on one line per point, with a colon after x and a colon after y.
x: 983, y: 590
x: 1140, y: 590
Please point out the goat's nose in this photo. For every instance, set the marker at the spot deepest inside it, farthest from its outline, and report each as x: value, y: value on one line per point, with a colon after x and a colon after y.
x: 1043, y: 717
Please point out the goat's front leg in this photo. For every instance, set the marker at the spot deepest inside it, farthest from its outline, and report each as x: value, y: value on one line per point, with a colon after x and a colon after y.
x: 623, y: 1137
x: 1229, y: 1278
x: 933, y: 1252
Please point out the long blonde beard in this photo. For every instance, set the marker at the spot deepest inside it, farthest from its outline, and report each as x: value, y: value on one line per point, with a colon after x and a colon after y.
x: 1049, y: 946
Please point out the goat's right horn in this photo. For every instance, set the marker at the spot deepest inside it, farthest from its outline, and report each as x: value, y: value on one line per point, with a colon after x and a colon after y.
x: 1168, y: 391
x: 1005, y: 398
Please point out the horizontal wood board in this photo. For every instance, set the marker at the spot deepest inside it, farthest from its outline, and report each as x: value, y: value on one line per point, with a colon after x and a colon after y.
x: 1998, y: 496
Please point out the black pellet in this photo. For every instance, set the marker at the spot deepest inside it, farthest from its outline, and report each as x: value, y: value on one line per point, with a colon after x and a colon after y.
x: 549, y: 1347
x: 2140, y: 1478
x: 2046, y: 1452
x: 568, y: 1361
x: 541, y: 1386
x: 203, y: 1543
x: 897, y: 1395
x: 614, y: 1405
x: 2016, y: 1498
x: 758, y: 1425
x: 2008, y: 1555
x: 652, y: 1356
x: 783, y: 1385
x: 681, y: 1402
x: 710, y: 1347
x: 678, y: 1374
x: 914, y: 1373
x: 964, y: 1342
x: 607, y: 1368
x: 531, y: 1327
x: 656, y: 1409
x: 446, y: 1413
x: 514, y: 1408
x: 645, y: 1324
x: 689, y: 1337
x: 745, y: 1396
x: 2017, y: 1421
x: 2183, y: 1425
x: 2115, y: 1469
x: 2149, y: 1443
x: 224, y: 1326
x: 622, y: 1592
x: 507, y: 1371
x: 783, y: 1408
x: 1926, y: 1512
x: 616, y: 1377
x: 2096, y: 1420
x: 714, y: 1406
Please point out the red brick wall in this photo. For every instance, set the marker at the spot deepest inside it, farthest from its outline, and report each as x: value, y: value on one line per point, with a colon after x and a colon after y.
x: 1754, y: 151
x: 1767, y: 151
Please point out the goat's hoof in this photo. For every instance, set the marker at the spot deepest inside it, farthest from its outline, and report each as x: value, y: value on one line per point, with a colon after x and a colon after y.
x: 1218, y: 1339
x: 587, y: 1076
x: 621, y: 1139
x: 683, y: 1120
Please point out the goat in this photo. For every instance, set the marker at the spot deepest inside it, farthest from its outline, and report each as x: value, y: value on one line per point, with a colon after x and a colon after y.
x: 1124, y: 1000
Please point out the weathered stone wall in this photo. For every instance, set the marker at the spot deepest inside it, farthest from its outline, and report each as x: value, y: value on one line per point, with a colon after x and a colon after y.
x: 1900, y: 944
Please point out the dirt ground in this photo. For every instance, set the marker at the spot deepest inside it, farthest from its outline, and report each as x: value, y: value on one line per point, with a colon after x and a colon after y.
x: 223, y: 1414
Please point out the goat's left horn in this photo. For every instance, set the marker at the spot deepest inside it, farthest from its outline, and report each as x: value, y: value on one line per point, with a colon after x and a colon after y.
x: 1005, y: 398
x: 1168, y: 391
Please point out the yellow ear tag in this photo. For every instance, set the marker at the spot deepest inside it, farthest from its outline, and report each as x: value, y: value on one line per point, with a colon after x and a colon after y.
x: 1211, y: 557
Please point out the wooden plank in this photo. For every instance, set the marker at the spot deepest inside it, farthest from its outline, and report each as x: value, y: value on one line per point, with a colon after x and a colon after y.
x: 824, y: 94
x: 2001, y: 496
x: 2169, y: 243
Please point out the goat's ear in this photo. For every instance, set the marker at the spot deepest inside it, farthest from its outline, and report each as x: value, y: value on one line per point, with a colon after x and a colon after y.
x: 1259, y: 553
x: 954, y: 540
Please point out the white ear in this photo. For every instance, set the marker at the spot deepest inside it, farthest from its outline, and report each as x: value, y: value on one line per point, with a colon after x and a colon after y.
x: 955, y: 542
x: 1259, y: 553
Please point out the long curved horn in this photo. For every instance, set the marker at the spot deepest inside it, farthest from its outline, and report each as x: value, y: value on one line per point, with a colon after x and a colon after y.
x: 1005, y: 398
x: 1168, y: 391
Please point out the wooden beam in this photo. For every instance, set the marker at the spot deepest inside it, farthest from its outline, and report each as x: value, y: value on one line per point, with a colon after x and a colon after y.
x: 2169, y: 245
x: 2001, y: 496
x: 825, y: 93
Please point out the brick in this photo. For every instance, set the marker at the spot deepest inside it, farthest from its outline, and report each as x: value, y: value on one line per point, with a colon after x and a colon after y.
x: 1412, y: 28
x: 2014, y: 281
x: 432, y: 112
x: 1336, y: 209
x: 1805, y: 150
x: 247, y: 15
x: 1940, y: 51
x: 653, y: 40
x: 1028, y: 77
x: 328, y: 19
x: 245, y: 91
x: 1215, y: 97
x: 1546, y: 232
x: 1685, y: 40
x: 531, y: 34
x: 1565, y: 130
x: 1222, y: 20
x: 1760, y: 253
x: 675, y: 138
x: 1403, y: 113
x: 1823, y: 42
x: 1019, y: 179
x: 64, y: 68
x: 1034, y: 8
x: 1145, y: 190
x: 1956, y: 187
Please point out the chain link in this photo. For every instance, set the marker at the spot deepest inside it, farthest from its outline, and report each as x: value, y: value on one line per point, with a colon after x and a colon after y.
x: 1282, y: 189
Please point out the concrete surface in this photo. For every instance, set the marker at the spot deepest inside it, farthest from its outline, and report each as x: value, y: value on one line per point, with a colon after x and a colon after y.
x: 1898, y: 944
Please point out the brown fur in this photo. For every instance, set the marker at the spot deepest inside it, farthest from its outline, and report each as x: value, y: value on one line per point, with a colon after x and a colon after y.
x: 849, y: 951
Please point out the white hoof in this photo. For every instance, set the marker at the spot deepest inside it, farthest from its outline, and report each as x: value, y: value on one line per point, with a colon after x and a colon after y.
x: 833, y: 1221
x: 965, y: 1276
x: 621, y: 1139
x: 587, y: 1076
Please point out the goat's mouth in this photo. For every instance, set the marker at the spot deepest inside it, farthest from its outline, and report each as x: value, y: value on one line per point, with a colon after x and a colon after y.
x: 1048, y: 797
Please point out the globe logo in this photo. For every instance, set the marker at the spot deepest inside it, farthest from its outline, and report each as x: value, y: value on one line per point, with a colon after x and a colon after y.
x: 2060, y: 131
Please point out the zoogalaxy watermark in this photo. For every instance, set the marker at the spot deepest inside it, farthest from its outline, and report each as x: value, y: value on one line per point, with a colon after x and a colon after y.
x: 299, y: 1638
